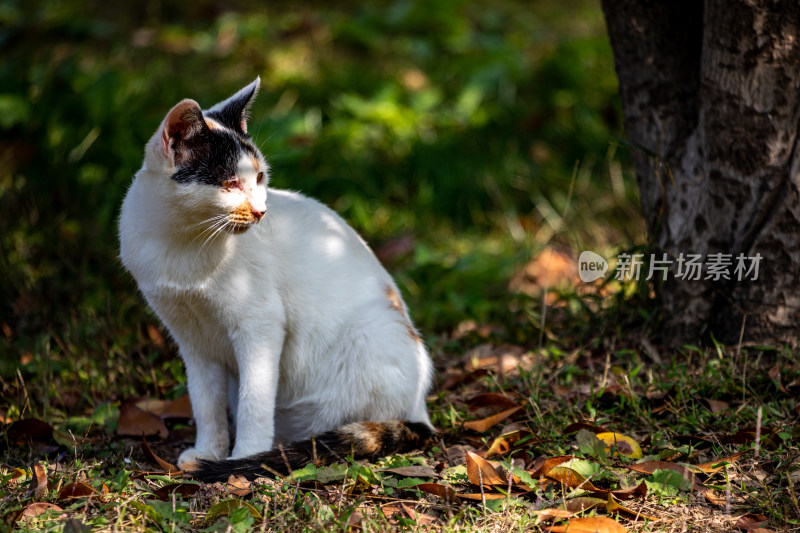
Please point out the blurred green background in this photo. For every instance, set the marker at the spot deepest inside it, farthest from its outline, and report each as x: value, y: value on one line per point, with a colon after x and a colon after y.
x: 459, y: 137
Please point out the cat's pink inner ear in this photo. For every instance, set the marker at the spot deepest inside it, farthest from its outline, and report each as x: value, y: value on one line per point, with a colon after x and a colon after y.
x: 183, y: 121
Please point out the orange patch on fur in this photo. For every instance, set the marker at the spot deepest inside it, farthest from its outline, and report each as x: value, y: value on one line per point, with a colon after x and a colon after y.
x: 396, y: 304
x: 255, y: 162
x: 212, y: 124
x: 394, y: 299
x: 243, y: 213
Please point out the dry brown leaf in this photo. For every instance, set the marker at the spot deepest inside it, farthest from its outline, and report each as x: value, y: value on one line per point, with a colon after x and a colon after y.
x: 572, y: 479
x: 491, y: 399
x: 462, y: 378
x: 550, y: 514
x: 412, y: 471
x: 37, y: 508
x: 751, y: 521
x: 29, y: 430
x: 133, y: 422
x: 582, y: 503
x: 477, y: 496
x: 504, y: 443
x: 720, y: 499
x: 74, y: 491
x: 482, y: 472
x: 155, y: 336
x: 592, y: 524
x: 487, y: 423
x: 39, y: 482
x: 612, y: 506
x: 420, y: 518
x: 238, y: 485
x: 712, y: 467
x: 168, y: 467
x: 623, y: 494
x: 180, y: 489
x: 716, y: 406
x: 442, y: 491
x: 549, y: 464
x: 775, y: 375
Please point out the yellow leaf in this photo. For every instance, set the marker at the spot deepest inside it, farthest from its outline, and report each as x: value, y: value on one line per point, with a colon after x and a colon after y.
x: 624, y: 444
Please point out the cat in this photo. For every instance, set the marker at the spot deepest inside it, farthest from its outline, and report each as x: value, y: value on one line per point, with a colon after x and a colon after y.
x: 280, y: 310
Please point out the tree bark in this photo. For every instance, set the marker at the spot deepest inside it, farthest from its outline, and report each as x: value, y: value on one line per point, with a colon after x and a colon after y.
x: 711, y: 98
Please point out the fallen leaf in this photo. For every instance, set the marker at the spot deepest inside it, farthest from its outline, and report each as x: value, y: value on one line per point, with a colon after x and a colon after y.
x: 29, y: 430
x: 37, y: 508
x: 238, y: 485
x: 751, y: 521
x: 504, y: 443
x: 592, y: 524
x: 462, y: 378
x: 550, y: 514
x: 491, y: 399
x: 420, y: 518
x: 572, y: 479
x: 624, y: 494
x: 181, y: 489
x: 133, y: 422
x: 720, y: 499
x: 18, y: 475
x: 168, y: 467
x: 74, y: 491
x: 485, y: 424
x: 442, y: 491
x: 712, y: 467
x: 226, y: 507
x: 180, y: 407
x: 624, y: 444
x: 612, y: 506
x: 582, y: 503
x: 482, y: 472
x: 39, y: 483
x: 412, y: 471
x: 550, y: 464
x: 716, y: 406
x: 477, y: 496
x: 775, y: 375
x: 155, y: 336
x: 648, y: 467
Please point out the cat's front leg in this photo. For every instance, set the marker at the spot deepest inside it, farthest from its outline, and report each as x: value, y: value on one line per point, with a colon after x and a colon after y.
x: 207, y: 392
x: 258, y: 360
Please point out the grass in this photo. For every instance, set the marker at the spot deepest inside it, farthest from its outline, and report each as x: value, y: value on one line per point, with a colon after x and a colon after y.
x: 462, y: 140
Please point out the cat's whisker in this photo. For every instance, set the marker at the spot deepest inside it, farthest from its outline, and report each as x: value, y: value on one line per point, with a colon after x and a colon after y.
x: 217, y: 220
x: 210, y: 219
x: 220, y: 227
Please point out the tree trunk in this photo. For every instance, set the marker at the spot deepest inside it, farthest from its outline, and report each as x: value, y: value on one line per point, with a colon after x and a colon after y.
x: 711, y: 97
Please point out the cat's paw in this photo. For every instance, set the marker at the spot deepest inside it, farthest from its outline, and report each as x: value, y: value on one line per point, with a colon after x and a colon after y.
x: 187, y: 459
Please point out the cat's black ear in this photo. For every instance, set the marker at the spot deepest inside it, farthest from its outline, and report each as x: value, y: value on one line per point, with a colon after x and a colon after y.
x: 233, y: 111
x: 184, y: 121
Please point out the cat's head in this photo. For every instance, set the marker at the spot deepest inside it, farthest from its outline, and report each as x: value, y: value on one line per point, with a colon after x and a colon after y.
x: 207, y: 165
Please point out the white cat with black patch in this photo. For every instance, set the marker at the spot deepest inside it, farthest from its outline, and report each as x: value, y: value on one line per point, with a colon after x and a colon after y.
x: 280, y: 310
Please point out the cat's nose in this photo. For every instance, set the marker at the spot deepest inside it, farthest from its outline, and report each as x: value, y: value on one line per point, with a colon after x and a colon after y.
x: 257, y: 214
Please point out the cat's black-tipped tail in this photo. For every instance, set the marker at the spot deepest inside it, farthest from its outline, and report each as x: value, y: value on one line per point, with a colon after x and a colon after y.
x: 361, y: 440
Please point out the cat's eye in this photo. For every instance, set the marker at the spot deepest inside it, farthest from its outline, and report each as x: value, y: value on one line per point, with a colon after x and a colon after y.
x: 260, y: 177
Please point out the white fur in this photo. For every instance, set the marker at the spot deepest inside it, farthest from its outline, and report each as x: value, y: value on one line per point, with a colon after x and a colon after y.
x: 293, y: 311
